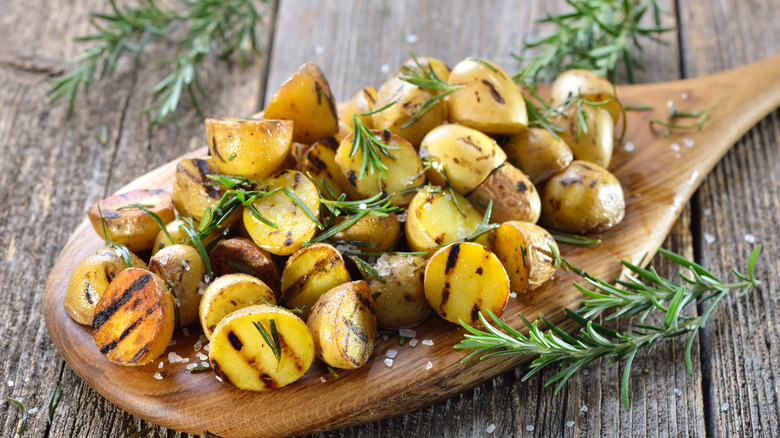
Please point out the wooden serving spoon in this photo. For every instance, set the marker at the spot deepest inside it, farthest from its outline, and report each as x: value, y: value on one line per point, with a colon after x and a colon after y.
x: 659, y: 175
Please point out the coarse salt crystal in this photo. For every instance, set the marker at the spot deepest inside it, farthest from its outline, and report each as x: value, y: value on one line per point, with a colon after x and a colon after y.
x: 391, y: 353
x: 173, y: 357
x: 407, y: 333
x: 218, y: 378
x: 401, y: 217
x: 569, y: 424
x: 585, y: 372
x: 172, y: 343
x: 191, y: 366
x: 185, y: 360
x: 202, y: 356
x: 707, y: 211
x: 185, y: 331
x: 427, y: 342
x: 163, y: 259
x: 629, y: 146
x: 413, y: 342
x: 33, y: 411
x: 675, y: 146
x: 670, y: 104
x: 677, y: 391
x: 385, y: 68
x: 185, y: 265
x: 513, y: 294
x: 529, y: 428
x: 412, y: 38
x: 685, y: 96
x: 10, y: 383
x: 26, y: 379
x: 158, y: 376
x: 385, y: 337
x: 204, y: 364
x: 749, y: 238
x: 198, y: 345
x: 724, y: 407
x: 709, y: 238
x: 491, y: 428
x: 389, y: 362
x: 584, y: 408
x: 429, y: 365
x: 363, y: 206
x: 161, y: 364
x: 319, y: 50
x: 206, y: 347
x: 688, y: 142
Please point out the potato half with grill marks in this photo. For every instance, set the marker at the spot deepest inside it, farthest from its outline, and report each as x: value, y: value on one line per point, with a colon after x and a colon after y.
x: 318, y: 163
x: 90, y: 280
x: 132, y: 227
x: 193, y: 190
x: 182, y: 270
x: 463, y: 280
x: 134, y: 318
x: 242, y: 256
x: 293, y: 225
x: 241, y: 356
x: 311, y: 272
x: 433, y: 219
x: 407, y: 100
x: 249, y: 147
x: 381, y: 231
x: 229, y: 293
x: 343, y: 325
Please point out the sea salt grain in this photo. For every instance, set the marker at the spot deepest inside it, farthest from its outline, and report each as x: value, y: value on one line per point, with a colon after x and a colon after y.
x: 709, y: 238
x: 26, y: 379
x: 319, y: 50
x: 513, y: 294
x: 218, y: 378
x: 749, y: 238
x: 670, y: 104
x: 407, y: 333
x: 172, y: 343
x: 158, y: 376
x: 585, y: 372
x: 685, y: 96
x: 688, y: 142
x: 569, y: 424
x: 413, y: 342
x: 412, y: 38
x: 33, y: 411
x: 204, y: 364
x: 677, y: 391
x: 491, y: 428
x: 191, y: 366
x: 429, y: 365
x: 385, y: 68
x: 385, y: 337
x: 389, y: 362
x: 10, y: 383
x: 529, y: 428
x: 629, y: 146
x: 202, y: 356
x: 185, y: 331
x: 724, y: 407
x: 160, y: 365
x: 322, y: 379
x: 675, y: 147
x: 173, y: 357
x: 708, y: 212
x: 584, y: 408
x: 427, y: 342
x: 391, y: 353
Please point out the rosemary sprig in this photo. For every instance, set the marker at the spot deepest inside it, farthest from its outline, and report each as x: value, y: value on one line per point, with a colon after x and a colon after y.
x: 701, y: 117
x: 427, y: 80
x: 23, y: 423
x: 221, y: 26
x: 484, y: 227
x: 271, y: 339
x: 598, y: 35
x: 54, y: 401
x: 200, y: 369
x: 118, y: 247
x: 594, y: 341
x: 140, y: 433
x: 371, y: 146
x: 376, y: 205
x: 572, y: 239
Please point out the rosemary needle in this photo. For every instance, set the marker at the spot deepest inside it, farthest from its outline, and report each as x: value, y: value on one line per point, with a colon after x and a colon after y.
x: 23, y: 423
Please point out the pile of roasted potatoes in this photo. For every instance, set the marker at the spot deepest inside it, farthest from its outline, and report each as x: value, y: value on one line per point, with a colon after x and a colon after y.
x: 304, y: 231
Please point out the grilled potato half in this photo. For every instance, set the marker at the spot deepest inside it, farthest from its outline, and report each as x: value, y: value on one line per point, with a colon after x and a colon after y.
x: 238, y: 255
x: 249, y: 147
x: 229, y: 293
x: 242, y: 356
x: 343, y: 325
x: 182, y: 270
x: 132, y: 227
x: 400, y: 302
x: 193, y: 190
x: 464, y: 279
x: 311, y: 272
x: 134, y: 318
x: 524, y: 250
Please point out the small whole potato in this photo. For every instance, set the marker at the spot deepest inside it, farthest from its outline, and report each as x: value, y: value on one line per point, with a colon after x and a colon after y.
x: 182, y: 270
x: 229, y: 293
x: 597, y: 143
x: 309, y: 273
x: 589, y: 84
x: 584, y: 198
x: 381, y: 231
x: 361, y: 103
x: 538, y: 154
x: 514, y: 195
x: 129, y: 226
x: 524, y: 250
x: 399, y: 301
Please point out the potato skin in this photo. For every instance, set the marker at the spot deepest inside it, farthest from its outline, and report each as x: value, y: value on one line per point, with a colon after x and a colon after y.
x: 134, y: 318
x: 192, y: 189
x: 89, y: 281
x: 538, y: 154
x: 240, y: 255
x: 182, y: 270
x: 383, y: 232
x: 401, y: 301
x: 597, y: 143
x: 247, y: 147
x: 408, y: 99
x: 514, y: 195
x: 309, y: 273
x: 362, y: 102
x: 318, y: 163
x: 524, y: 250
x: 584, y: 198
x: 586, y: 83
x: 343, y: 325
x: 132, y: 227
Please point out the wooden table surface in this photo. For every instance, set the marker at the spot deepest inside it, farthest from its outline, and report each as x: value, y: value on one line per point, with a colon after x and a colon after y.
x: 53, y: 168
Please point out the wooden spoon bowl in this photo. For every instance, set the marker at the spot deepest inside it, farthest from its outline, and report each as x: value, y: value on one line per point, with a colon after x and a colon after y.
x: 659, y: 175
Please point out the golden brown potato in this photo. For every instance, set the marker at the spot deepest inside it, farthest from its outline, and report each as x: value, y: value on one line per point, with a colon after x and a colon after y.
x: 433, y: 219
x: 538, y: 154
x: 361, y: 103
x: 318, y: 163
x: 383, y: 232
x: 489, y: 101
x: 399, y: 301
x: 465, y: 154
x: 584, y: 198
x: 403, y: 172
x: 241, y: 356
x: 309, y: 273
x: 182, y: 270
x: 305, y: 99
x: 463, y: 280
x: 524, y: 250
x: 343, y: 325
x: 241, y: 255
x: 193, y: 191
x: 589, y: 84
x: 90, y: 280
x: 132, y: 227
x: 514, y: 196
x: 408, y: 99
x: 248, y: 147
x: 439, y: 68
x: 596, y: 144
x: 293, y: 225
x: 229, y: 293
x: 134, y: 318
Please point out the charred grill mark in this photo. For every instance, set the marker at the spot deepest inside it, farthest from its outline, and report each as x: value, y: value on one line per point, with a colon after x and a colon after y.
x: 140, y: 353
x: 386, y: 136
x: 234, y: 341
x: 109, y: 275
x: 268, y: 381
x: 493, y: 92
x: 289, y: 352
x: 474, y: 313
x: 88, y: 292
x: 218, y: 371
x: 214, y: 149
x: 355, y: 329
x: 104, y: 315
x: 368, y: 96
x: 352, y: 177
x: 111, y: 345
x: 288, y: 241
x: 318, y: 91
x: 439, y: 239
x: 204, y: 170
x: 108, y: 347
x: 330, y: 142
x: 136, y: 302
x: 452, y: 258
x: 522, y: 187
x: 479, y: 271
x: 470, y: 142
x: 295, y: 289
x: 408, y: 298
x: 315, y: 161
x: 445, y: 294
x: 366, y: 302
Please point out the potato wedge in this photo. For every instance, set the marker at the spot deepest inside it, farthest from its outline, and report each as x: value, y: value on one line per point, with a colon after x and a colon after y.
x: 466, y: 155
x: 399, y: 301
x: 193, y: 191
x: 362, y: 102
x: 293, y: 225
x: 182, y: 270
x: 248, y: 147
x: 383, y: 232
x: 241, y: 356
x: 403, y: 172
x: 318, y: 163
x: 305, y: 99
x: 582, y: 199
x: 489, y: 100
x: 229, y: 293
x: 514, y: 196
x: 132, y: 227
x: 89, y: 281
x: 239, y: 255
x: 524, y: 250
x: 433, y: 219
x: 538, y: 154
x: 134, y: 318
x: 343, y: 325
x: 464, y: 279
x: 309, y: 273
x: 408, y: 99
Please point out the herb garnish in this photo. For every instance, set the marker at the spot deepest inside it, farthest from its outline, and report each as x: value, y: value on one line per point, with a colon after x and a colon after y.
x: 376, y: 205
x: 54, y: 401
x: 140, y: 433
x: 370, y: 145
x: 23, y: 424
x: 271, y: 339
x: 125, y: 253
x: 153, y: 215
x: 572, y: 239
x: 700, y: 116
